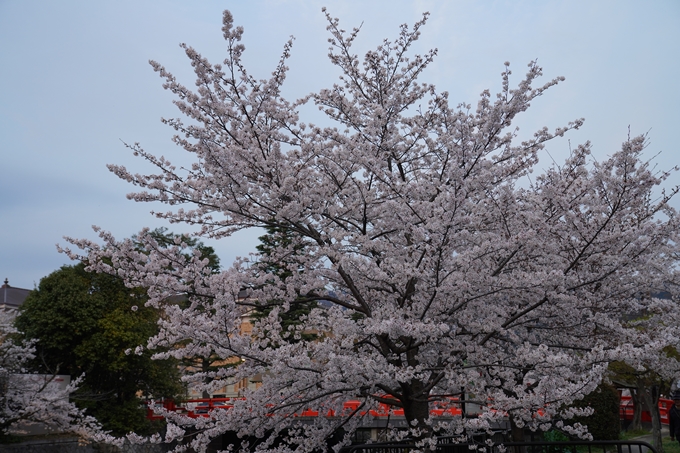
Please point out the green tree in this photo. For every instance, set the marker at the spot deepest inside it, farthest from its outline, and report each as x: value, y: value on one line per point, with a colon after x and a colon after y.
x: 280, y: 255
x: 89, y: 323
x: 604, y: 423
x: 166, y: 239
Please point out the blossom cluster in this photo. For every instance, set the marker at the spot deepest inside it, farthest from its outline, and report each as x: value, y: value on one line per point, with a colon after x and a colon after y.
x: 34, y: 399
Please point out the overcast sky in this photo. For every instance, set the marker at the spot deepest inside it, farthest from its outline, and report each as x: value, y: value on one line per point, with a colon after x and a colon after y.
x: 75, y: 84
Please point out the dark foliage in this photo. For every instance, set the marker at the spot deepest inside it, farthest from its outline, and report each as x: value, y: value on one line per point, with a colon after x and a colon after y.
x: 87, y: 323
x: 276, y: 239
x: 605, y: 423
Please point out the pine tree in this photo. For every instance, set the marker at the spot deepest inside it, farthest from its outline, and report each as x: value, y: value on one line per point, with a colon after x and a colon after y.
x: 279, y: 239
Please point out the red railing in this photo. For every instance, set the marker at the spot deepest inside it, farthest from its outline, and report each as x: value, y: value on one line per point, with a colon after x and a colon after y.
x: 201, y: 408
x: 627, y: 410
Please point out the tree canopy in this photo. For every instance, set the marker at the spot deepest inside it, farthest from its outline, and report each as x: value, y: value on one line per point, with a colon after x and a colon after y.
x: 88, y: 323
x: 445, y: 266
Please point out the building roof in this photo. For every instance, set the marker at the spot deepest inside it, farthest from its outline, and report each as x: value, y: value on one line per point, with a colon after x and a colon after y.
x: 12, y: 298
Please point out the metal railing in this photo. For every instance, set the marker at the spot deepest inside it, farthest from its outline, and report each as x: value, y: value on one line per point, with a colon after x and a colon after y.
x: 602, y: 446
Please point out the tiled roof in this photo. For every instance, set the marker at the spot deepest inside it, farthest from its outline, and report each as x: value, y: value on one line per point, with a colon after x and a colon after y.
x: 11, y: 297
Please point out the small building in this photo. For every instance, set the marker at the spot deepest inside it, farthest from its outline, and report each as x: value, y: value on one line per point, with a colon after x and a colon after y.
x: 11, y: 298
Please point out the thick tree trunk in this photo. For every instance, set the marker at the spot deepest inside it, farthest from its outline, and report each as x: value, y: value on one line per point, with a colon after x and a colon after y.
x: 636, y: 396
x: 517, y: 433
x: 651, y: 396
x: 4, y: 385
x: 205, y: 367
x: 416, y: 409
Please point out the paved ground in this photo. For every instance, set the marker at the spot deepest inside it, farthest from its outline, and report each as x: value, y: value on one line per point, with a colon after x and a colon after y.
x: 648, y: 437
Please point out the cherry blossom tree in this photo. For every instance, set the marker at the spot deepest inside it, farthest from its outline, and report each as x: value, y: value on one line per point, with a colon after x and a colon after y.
x: 446, y: 267
x: 28, y: 399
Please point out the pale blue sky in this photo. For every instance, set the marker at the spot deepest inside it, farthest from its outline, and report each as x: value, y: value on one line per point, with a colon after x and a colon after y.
x: 74, y: 83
